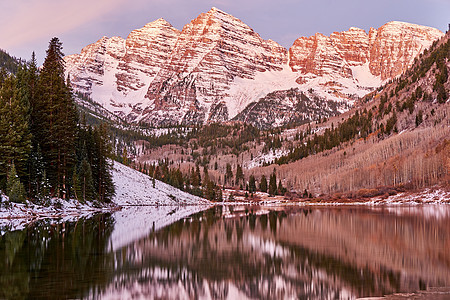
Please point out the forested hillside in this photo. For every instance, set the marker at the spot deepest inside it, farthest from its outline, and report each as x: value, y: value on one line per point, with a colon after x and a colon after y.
x: 9, y: 63
x: 399, y: 136
x: 395, y: 138
x: 45, y: 150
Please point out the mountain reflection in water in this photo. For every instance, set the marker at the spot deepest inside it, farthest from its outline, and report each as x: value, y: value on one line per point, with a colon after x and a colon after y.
x: 237, y: 252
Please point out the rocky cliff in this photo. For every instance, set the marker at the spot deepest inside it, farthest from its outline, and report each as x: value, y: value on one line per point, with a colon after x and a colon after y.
x: 216, y: 66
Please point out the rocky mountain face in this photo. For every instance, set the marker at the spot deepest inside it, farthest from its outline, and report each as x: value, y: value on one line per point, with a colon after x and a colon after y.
x: 288, y: 107
x: 385, y: 52
x: 216, y: 66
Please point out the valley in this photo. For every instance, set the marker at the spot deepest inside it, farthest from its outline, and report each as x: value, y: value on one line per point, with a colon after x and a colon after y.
x: 395, y: 139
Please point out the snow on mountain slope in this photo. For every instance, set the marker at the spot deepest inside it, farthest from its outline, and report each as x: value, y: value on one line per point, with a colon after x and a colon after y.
x: 136, y: 188
x: 117, y: 72
x: 217, y: 65
x: 211, y: 52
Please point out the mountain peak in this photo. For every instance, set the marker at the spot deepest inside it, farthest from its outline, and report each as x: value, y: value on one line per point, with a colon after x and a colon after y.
x: 158, y: 24
x: 215, y: 9
x: 217, y: 65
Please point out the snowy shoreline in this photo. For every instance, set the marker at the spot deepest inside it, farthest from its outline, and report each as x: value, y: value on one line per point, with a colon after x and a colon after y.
x: 136, y: 190
x: 426, y: 196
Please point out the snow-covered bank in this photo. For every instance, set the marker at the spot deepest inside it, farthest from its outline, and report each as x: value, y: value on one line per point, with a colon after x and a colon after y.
x: 136, y: 188
x: 438, y: 196
x: 17, y: 215
x: 132, y: 188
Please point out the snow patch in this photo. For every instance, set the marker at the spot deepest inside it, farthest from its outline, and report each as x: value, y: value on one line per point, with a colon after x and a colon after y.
x: 262, y: 158
x: 244, y: 91
x: 136, y: 188
x: 364, y: 77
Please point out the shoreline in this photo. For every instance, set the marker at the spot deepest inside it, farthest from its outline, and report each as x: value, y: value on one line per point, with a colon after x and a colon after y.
x: 72, y: 209
x: 437, y: 196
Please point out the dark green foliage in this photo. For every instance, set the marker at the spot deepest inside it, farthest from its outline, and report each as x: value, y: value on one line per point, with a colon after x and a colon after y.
x: 273, y: 184
x: 15, y: 139
x: 53, y: 120
x: 239, y: 174
x: 228, y: 174
x: 191, y: 182
x: 442, y: 94
x: 93, y: 166
x: 252, y: 184
x: 263, y: 184
x: 196, y: 177
x: 419, y: 118
x: 357, y: 125
x: 212, y: 192
x: 439, y: 57
x: 38, y: 115
x: 9, y: 63
x: 390, y: 123
x: 14, y: 188
x: 36, y: 173
x: 83, y: 182
x: 280, y: 189
x: 305, y: 194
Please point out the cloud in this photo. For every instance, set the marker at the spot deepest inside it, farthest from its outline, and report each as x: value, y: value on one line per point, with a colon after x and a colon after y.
x: 22, y: 21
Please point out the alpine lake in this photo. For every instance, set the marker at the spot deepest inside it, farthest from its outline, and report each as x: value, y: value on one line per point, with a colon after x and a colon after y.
x: 232, y: 252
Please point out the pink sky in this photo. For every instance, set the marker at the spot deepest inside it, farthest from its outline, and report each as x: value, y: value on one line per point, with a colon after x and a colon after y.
x: 28, y: 25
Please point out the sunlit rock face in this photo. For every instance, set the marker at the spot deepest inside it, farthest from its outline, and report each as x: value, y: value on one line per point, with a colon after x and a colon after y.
x: 211, y: 52
x: 388, y: 51
x: 217, y: 66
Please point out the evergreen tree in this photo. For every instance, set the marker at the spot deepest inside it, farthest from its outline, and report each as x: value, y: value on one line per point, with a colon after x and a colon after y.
x: 252, y: 184
x: 36, y: 172
x: 54, y: 119
x: 85, y: 182
x: 44, y: 193
x: 281, y: 190
x: 103, y: 165
x: 15, y: 139
x: 228, y: 174
x: 196, y: 177
x: 239, y: 174
x: 305, y: 194
x: 273, y: 184
x: 263, y: 184
x: 14, y: 188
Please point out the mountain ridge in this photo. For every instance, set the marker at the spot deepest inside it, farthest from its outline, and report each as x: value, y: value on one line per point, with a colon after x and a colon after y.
x: 216, y: 66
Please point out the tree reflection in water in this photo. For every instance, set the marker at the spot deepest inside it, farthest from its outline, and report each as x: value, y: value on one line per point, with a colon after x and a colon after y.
x: 55, y: 261
x: 324, y: 253
x: 235, y: 252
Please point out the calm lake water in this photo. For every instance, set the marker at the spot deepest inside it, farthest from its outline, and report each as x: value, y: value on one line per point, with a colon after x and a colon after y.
x: 230, y: 252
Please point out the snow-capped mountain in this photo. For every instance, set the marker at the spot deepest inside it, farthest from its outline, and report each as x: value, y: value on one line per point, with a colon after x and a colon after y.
x: 216, y: 66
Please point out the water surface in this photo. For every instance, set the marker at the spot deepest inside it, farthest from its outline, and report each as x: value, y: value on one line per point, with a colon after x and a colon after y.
x: 230, y: 252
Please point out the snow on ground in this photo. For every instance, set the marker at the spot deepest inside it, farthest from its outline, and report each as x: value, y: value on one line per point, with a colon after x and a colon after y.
x: 262, y: 158
x: 132, y: 188
x: 136, y: 188
x: 428, y: 196
x: 244, y: 91
x: 364, y: 77
x: 436, y: 197
x: 17, y: 215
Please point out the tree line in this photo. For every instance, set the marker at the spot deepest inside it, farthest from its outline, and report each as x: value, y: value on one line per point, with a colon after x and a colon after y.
x: 45, y: 151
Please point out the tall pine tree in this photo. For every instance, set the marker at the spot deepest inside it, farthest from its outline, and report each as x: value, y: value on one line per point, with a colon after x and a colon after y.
x: 15, y: 139
x: 54, y: 120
